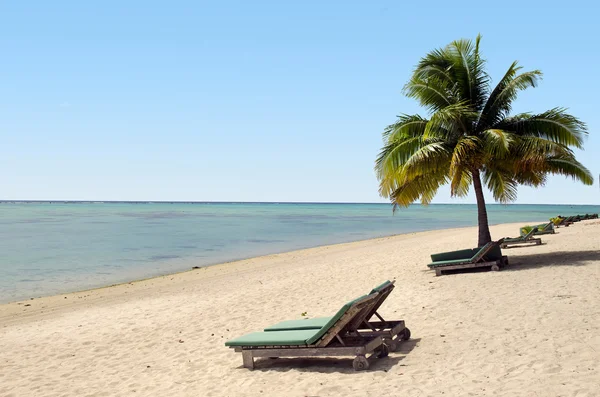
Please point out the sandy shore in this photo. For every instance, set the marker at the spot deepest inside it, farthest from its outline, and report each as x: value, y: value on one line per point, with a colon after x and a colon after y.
x: 532, y: 329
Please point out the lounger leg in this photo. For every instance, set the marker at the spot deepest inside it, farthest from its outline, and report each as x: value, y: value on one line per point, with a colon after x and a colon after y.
x: 438, y: 272
x: 248, y: 359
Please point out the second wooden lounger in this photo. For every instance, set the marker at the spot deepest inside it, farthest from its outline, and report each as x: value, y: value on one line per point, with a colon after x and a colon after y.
x: 489, y: 255
x: 526, y: 239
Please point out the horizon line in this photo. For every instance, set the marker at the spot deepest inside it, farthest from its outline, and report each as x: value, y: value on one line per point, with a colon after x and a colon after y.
x: 250, y: 202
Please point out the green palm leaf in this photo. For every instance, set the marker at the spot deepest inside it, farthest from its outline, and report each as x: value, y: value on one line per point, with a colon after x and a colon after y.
x: 499, y: 103
x: 554, y: 124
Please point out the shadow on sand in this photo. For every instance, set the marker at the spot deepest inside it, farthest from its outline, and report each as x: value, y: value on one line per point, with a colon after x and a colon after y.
x: 529, y: 245
x: 330, y: 365
x: 566, y: 258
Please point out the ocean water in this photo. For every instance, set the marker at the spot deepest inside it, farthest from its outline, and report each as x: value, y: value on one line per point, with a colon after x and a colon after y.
x: 52, y: 248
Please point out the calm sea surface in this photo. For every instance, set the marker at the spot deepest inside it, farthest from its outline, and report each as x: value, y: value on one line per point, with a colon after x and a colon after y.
x: 51, y: 248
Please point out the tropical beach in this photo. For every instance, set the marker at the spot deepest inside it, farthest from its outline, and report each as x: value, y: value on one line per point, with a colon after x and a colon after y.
x: 302, y: 199
x: 530, y: 329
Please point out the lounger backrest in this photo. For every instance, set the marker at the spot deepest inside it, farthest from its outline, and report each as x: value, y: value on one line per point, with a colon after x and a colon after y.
x: 384, y: 291
x: 530, y: 234
x: 368, y: 311
x: 483, y: 251
x: 340, y: 320
x: 453, y: 255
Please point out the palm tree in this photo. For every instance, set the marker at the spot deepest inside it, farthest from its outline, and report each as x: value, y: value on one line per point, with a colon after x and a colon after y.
x: 470, y: 136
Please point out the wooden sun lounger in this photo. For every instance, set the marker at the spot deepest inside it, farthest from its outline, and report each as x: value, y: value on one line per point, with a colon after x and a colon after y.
x: 543, y: 228
x: 586, y: 217
x: 564, y: 221
x: 393, y: 332
x: 489, y: 255
x: 526, y: 239
x: 333, y: 339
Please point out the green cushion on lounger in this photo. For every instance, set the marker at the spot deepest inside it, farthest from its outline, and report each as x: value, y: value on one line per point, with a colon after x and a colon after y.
x: 521, y: 238
x: 290, y: 337
x: 276, y: 338
x: 314, y: 323
x: 466, y: 254
x: 307, y: 323
x: 451, y: 262
x: 514, y: 240
x: 380, y: 287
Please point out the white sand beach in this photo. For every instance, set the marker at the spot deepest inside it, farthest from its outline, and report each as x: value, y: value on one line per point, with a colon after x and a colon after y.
x: 532, y: 329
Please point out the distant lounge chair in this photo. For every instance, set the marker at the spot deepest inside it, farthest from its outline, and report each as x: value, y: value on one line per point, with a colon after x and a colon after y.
x: 332, y: 339
x: 392, y: 331
x: 488, y: 255
x: 543, y: 228
x: 564, y: 221
x: 526, y: 239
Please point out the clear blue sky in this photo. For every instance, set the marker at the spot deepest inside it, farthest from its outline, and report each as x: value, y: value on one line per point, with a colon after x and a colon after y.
x: 255, y: 100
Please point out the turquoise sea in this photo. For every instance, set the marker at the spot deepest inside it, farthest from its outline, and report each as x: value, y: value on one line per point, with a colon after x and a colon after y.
x: 52, y: 248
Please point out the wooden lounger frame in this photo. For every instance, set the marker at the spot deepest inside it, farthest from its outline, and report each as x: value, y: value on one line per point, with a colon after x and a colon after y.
x: 508, y: 244
x: 392, y: 332
x: 337, y: 341
x: 528, y: 238
x: 352, y: 347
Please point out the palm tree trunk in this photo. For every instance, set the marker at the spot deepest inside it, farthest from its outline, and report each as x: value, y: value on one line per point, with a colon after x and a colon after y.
x: 482, y: 218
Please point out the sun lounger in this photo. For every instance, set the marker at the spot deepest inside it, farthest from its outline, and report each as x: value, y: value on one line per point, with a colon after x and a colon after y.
x: 587, y: 216
x: 543, y: 228
x: 488, y: 255
x: 564, y: 221
x: 392, y: 331
x: 332, y: 339
x: 526, y: 239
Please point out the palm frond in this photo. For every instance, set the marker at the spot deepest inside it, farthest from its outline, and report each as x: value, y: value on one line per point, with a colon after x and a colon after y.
x: 429, y: 158
x: 423, y: 187
x: 461, y: 182
x: 450, y: 122
x: 555, y: 125
x: 467, y: 154
x: 570, y: 167
x: 497, y: 143
x: 499, y: 103
x: 502, y: 186
x: 468, y: 69
x: 405, y: 126
x: 438, y: 71
x: 434, y: 94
